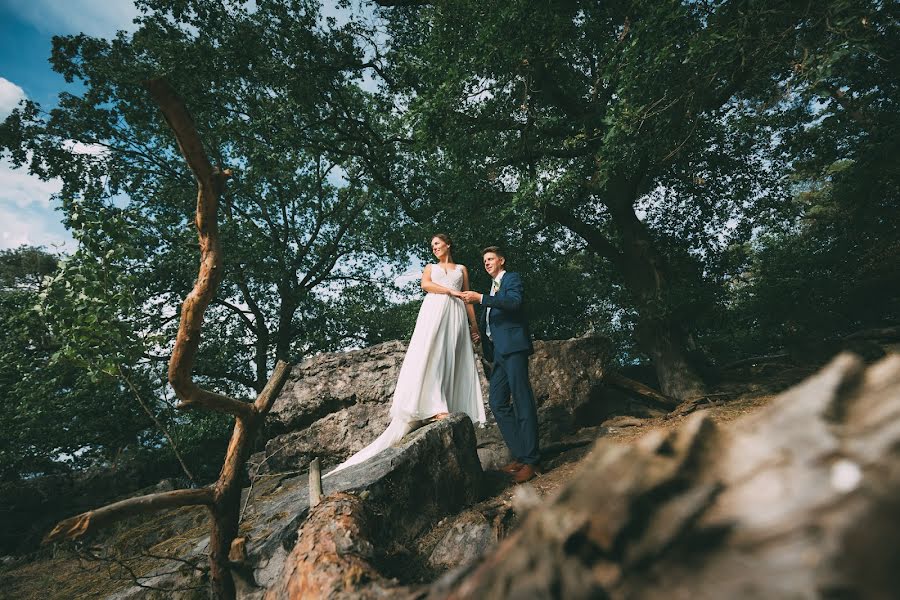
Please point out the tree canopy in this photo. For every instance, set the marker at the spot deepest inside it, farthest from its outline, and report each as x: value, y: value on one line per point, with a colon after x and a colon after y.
x: 699, y: 180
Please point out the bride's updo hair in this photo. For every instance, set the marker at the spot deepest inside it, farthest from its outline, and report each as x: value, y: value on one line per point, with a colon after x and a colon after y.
x: 446, y: 239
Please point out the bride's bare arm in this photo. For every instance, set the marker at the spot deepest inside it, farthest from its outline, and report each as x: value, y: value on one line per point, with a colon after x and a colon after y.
x: 431, y: 287
x: 470, y: 309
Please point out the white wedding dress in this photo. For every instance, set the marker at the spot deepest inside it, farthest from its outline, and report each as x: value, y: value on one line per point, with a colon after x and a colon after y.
x: 438, y: 374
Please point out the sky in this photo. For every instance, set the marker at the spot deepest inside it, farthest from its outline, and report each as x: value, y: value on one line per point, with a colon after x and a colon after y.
x: 28, y: 212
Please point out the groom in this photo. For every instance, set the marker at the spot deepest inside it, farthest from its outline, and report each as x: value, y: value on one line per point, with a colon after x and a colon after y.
x: 507, y: 345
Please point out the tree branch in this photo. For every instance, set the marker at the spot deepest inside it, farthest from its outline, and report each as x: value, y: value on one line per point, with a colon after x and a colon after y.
x: 85, y: 523
x: 596, y: 240
x: 211, y: 182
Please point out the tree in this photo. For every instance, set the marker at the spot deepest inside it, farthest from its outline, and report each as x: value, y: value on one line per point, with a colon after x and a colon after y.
x: 56, y: 415
x: 835, y: 269
x: 633, y: 125
x: 301, y: 222
x: 223, y: 498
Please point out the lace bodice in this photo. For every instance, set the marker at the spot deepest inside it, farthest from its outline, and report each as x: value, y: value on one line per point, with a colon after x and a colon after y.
x: 452, y: 280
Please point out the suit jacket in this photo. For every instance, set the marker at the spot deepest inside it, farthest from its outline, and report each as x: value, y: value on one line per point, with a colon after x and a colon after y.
x: 509, y: 326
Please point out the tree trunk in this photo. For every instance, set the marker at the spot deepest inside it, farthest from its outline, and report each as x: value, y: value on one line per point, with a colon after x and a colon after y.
x: 226, y: 510
x: 660, y: 331
x: 333, y: 555
x: 286, y: 311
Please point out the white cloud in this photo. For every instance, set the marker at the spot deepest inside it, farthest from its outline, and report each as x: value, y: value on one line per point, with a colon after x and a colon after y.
x: 27, y: 214
x: 82, y: 148
x: 10, y: 96
x: 99, y: 18
x: 18, y: 188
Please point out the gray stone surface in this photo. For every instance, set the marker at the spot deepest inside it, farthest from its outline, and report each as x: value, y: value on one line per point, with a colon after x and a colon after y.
x: 335, y: 404
x: 433, y: 472
x: 468, y: 538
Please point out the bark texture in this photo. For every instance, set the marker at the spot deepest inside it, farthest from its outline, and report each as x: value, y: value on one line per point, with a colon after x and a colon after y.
x: 799, y: 500
x: 92, y: 520
x: 333, y: 556
x: 210, y: 184
x: 660, y: 333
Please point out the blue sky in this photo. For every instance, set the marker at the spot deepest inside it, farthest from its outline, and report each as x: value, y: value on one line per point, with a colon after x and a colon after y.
x: 27, y: 212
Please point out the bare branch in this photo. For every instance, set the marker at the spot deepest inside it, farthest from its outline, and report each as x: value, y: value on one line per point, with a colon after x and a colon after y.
x: 267, y: 397
x: 158, y: 423
x: 211, y: 182
x: 85, y: 523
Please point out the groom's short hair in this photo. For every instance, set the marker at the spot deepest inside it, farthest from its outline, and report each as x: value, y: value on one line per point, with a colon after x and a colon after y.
x: 496, y: 250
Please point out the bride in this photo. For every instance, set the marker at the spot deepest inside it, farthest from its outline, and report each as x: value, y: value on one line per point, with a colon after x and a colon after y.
x: 438, y: 374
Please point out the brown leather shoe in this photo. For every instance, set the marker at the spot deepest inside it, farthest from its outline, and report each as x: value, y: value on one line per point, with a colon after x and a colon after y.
x: 512, y: 467
x: 526, y: 473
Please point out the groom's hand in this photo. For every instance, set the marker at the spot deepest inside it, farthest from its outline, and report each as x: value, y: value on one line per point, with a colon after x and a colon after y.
x: 471, y: 297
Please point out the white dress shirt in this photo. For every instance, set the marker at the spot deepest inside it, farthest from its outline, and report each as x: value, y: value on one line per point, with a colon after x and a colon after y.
x: 487, y: 314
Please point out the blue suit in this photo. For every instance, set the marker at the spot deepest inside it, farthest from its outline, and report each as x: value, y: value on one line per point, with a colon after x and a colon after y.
x: 508, y: 350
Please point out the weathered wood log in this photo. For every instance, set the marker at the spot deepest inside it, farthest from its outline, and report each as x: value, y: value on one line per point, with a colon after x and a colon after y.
x: 227, y: 506
x: 799, y: 500
x: 223, y: 499
x: 210, y: 184
x: 315, y: 482
x: 333, y: 556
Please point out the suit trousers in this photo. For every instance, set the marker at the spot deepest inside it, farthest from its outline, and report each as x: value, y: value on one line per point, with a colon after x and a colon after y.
x: 516, y: 417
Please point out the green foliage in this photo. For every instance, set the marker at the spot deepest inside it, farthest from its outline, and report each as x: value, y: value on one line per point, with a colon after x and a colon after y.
x: 724, y: 174
x: 274, y: 95
x: 834, y: 269
x: 703, y: 118
x: 56, y: 415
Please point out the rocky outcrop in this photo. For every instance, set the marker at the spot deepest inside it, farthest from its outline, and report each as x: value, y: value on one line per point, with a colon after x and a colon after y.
x: 336, y: 404
x: 405, y: 490
x: 799, y: 500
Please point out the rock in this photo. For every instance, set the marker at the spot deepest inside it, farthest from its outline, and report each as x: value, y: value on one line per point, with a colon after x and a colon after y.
x: 798, y: 500
x: 327, y: 383
x: 565, y: 376
x: 335, y: 404
x: 467, y: 539
x: 406, y: 489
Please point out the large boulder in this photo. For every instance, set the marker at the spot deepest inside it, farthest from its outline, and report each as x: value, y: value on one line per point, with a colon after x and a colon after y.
x: 432, y: 473
x: 335, y: 404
